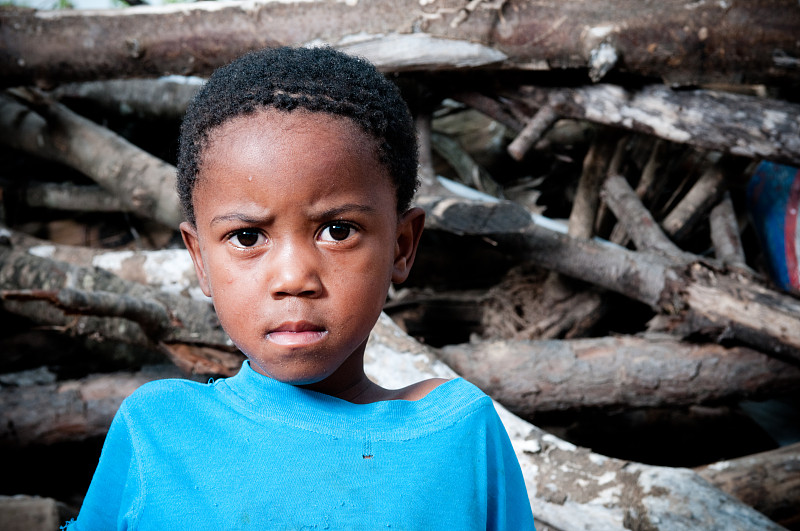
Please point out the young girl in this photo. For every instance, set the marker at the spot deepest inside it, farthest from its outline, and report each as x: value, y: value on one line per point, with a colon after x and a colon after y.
x: 296, y: 173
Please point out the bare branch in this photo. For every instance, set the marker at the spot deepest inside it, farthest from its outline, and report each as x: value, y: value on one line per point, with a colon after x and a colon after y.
x: 635, y: 218
x: 725, y: 233
x: 586, y: 205
x: 705, y: 193
x: 144, y: 182
x: 540, y: 122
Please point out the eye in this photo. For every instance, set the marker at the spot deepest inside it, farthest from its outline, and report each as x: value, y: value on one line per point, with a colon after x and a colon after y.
x: 337, y: 231
x: 245, y: 238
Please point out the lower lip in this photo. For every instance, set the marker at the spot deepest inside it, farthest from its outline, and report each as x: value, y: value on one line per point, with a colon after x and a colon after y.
x: 297, y: 339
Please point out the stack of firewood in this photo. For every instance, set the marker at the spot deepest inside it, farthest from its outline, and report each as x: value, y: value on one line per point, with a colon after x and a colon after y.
x: 588, y: 250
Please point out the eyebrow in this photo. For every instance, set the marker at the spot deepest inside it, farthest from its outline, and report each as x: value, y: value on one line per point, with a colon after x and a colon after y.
x: 343, y: 209
x: 242, y: 218
x: 333, y: 212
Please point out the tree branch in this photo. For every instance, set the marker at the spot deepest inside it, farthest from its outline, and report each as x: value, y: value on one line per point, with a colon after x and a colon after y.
x: 682, y: 43
x: 531, y: 377
x: 760, y: 127
x: 144, y: 182
x: 693, y: 296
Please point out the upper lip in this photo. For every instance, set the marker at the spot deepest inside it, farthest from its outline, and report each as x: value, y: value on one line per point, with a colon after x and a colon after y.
x: 297, y: 326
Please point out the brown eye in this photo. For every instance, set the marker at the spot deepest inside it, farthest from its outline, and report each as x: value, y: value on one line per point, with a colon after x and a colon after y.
x: 337, y: 232
x: 246, y: 238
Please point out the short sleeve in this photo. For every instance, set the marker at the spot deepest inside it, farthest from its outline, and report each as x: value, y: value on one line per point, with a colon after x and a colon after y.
x: 114, y: 493
x: 509, y: 507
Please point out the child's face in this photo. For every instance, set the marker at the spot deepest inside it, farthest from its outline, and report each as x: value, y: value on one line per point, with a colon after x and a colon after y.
x: 297, y: 240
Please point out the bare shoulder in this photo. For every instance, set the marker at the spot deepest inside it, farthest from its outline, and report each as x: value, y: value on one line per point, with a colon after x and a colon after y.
x: 419, y: 390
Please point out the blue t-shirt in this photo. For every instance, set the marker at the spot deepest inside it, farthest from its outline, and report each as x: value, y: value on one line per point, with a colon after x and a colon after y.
x: 249, y: 452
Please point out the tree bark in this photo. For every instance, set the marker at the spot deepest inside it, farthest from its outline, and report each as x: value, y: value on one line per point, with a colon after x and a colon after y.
x: 694, y: 296
x: 725, y: 234
x: 759, y: 127
x: 165, y: 98
x: 704, y: 194
x: 530, y: 377
x: 586, y: 205
x: 24, y: 276
x: 144, y: 182
x: 540, y: 122
x: 637, y: 222
x: 682, y: 42
x: 167, y: 270
x: 67, y: 411
x: 31, y: 513
x: 768, y: 481
x: 66, y: 196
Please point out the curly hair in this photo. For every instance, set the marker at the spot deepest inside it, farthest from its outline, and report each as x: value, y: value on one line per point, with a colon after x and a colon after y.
x: 315, y: 79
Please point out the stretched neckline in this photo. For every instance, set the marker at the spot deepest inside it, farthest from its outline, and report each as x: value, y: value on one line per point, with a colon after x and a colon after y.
x: 262, y: 396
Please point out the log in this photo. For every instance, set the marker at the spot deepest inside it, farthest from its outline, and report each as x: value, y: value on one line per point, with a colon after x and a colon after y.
x: 534, y: 377
x: 500, y: 113
x: 768, y: 481
x: 143, y: 181
x: 23, y: 275
x: 695, y: 297
x: 684, y: 43
x: 569, y: 487
x: 759, y: 128
x: 66, y: 196
x: 167, y: 270
x: 163, y: 98
x: 151, y: 316
x: 148, y: 303
x: 638, y: 275
x: 68, y: 411
x: 647, y: 190
x: 30, y: 513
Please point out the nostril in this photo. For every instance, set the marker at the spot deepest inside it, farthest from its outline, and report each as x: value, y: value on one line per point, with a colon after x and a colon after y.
x: 306, y: 287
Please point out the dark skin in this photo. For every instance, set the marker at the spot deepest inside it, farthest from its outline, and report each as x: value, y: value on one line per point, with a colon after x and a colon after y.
x: 297, y: 240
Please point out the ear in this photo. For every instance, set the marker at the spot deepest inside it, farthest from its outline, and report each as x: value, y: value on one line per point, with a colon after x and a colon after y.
x: 189, y: 234
x: 409, y: 230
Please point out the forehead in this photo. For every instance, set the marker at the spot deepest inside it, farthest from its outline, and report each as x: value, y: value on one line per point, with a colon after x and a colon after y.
x: 287, y: 150
x: 272, y: 134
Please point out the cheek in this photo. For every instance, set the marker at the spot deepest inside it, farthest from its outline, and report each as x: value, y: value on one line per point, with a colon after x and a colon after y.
x: 222, y: 281
x: 372, y: 286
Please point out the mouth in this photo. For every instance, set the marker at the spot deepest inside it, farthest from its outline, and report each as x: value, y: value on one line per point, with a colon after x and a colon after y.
x: 296, y: 334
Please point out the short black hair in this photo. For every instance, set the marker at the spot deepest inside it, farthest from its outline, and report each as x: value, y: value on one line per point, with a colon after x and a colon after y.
x: 317, y: 80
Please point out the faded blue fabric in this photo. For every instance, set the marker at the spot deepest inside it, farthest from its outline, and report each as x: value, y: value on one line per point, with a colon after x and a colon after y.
x: 249, y: 452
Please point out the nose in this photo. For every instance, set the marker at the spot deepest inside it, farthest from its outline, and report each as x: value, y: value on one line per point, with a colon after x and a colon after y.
x: 294, y: 271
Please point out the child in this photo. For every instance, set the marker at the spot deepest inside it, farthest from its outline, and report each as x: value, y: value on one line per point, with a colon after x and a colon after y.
x: 296, y: 172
